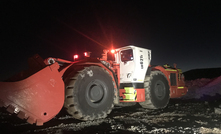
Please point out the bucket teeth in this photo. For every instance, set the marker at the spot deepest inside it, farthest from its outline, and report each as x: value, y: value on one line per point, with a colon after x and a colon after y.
x: 39, y: 123
x: 22, y: 115
x: 31, y: 120
x: 10, y: 109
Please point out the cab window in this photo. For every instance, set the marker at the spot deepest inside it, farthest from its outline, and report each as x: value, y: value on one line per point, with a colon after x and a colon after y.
x: 127, y: 55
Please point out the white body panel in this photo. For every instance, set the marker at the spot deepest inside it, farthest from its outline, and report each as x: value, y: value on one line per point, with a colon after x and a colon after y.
x: 133, y: 69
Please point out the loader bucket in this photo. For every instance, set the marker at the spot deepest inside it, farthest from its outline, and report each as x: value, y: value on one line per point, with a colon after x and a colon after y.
x: 37, y: 98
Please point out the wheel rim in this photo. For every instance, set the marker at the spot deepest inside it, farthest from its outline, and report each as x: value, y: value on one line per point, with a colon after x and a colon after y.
x: 96, y: 92
x: 160, y: 90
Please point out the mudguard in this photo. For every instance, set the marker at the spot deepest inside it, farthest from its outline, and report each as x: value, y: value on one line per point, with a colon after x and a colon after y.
x: 38, y: 98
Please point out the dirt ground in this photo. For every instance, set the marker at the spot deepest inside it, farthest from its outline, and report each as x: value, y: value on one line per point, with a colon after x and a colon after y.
x: 180, y: 116
x: 198, y: 112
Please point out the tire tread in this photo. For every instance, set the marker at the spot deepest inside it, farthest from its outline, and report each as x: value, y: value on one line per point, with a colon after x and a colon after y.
x: 73, y: 106
x: 147, y: 85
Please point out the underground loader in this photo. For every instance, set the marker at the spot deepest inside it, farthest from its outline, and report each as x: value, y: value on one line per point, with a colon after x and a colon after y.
x: 89, y: 88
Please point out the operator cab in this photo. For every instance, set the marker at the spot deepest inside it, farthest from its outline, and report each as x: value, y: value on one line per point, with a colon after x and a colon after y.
x: 134, y: 62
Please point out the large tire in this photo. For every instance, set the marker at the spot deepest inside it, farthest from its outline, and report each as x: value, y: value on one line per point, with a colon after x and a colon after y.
x: 89, y: 94
x: 156, y: 91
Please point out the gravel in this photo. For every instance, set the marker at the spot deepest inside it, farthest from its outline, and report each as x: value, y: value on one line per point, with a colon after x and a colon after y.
x: 190, y: 114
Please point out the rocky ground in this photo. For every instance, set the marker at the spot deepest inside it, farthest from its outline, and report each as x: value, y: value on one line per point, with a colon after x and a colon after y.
x: 181, y: 116
x: 198, y: 112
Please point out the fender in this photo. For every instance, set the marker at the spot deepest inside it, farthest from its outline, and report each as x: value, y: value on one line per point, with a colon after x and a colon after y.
x: 162, y: 69
x: 94, y: 62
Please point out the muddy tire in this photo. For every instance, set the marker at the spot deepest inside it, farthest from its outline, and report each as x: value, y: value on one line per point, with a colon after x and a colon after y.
x: 156, y: 91
x: 89, y: 94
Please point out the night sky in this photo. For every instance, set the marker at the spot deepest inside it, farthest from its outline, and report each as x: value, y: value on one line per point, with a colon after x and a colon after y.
x: 184, y: 32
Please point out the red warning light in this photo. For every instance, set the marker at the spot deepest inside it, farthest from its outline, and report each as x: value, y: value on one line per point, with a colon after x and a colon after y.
x: 112, y: 51
x: 75, y: 57
x: 85, y: 54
